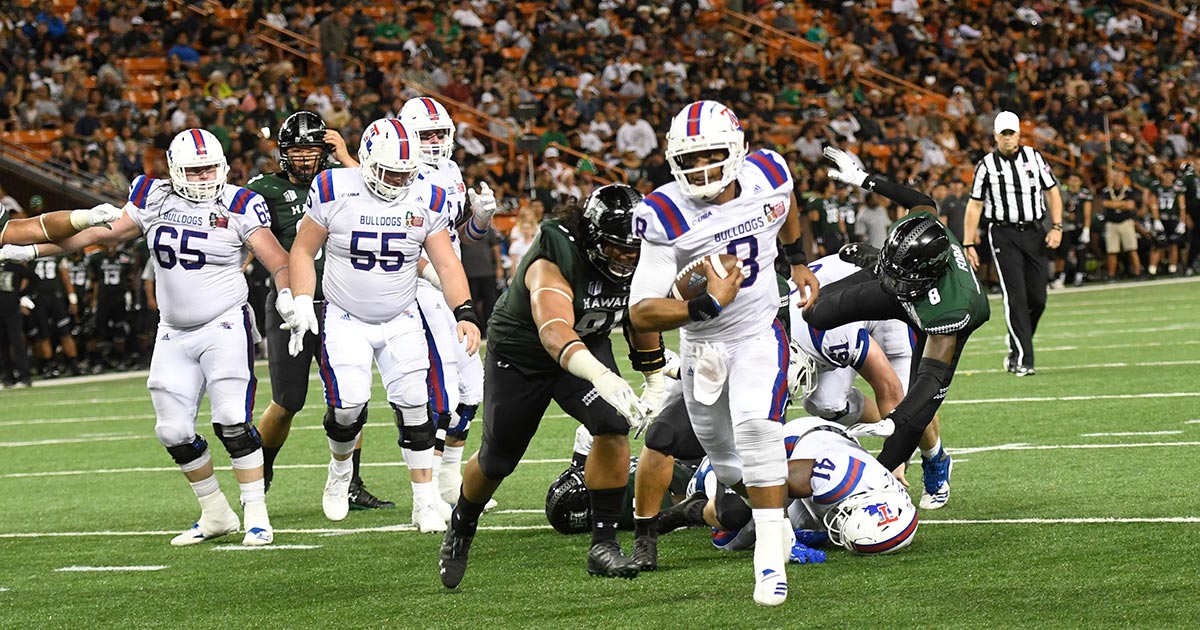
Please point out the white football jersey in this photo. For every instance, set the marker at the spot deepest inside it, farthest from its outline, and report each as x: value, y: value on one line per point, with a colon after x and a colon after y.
x: 893, y: 336
x: 842, y: 468
x: 746, y: 227
x: 448, y: 176
x: 197, y: 247
x: 373, y: 245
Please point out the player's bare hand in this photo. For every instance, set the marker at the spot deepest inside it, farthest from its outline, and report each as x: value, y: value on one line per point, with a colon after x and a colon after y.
x: 340, y: 153
x: 807, y: 283
x: 724, y: 289
x: 972, y: 257
x: 469, y: 332
x: 899, y: 475
x: 1053, y: 238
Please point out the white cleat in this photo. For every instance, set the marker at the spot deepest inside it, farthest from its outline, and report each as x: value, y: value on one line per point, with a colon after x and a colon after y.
x: 258, y: 536
x: 937, y: 499
x: 207, y: 529
x: 336, y: 499
x: 489, y: 506
x: 771, y: 588
x: 426, y: 518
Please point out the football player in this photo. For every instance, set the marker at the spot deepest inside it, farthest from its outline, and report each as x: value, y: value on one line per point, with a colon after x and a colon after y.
x: 306, y: 147
x: 1170, y: 219
x: 110, y: 272
x: 734, y: 352
x: 548, y: 339
x: 199, y: 228
x: 1070, y: 255
x: 455, y: 377
x: 920, y: 277
x: 56, y: 304
x: 371, y: 222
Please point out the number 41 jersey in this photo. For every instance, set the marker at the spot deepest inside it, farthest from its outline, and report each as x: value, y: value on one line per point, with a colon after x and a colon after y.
x: 746, y: 227
x: 373, y: 246
x: 197, y: 247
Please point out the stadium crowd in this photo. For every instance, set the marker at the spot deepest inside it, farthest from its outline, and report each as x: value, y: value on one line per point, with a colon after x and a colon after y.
x: 586, y: 90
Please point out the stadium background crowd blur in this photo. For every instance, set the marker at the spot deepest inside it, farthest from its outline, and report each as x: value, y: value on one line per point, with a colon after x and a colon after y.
x: 555, y: 98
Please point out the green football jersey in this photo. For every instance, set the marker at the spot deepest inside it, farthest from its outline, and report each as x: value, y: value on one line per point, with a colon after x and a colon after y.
x: 958, y: 304
x: 829, y: 213
x: 785, y: 302
x: 1167, y: 198
x: 600, y: 304
x: 286, y: 202
x: 4, y: 217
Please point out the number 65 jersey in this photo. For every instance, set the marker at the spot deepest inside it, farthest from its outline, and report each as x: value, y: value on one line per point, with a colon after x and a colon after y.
x: 373, y: 245
x: 746, y: 227
x: 198, y: 247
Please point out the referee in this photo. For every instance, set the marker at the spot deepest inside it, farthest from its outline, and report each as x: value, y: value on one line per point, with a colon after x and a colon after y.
x: 1011, y: 188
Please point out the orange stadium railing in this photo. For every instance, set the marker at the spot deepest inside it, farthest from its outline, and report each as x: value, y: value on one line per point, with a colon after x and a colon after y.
x: 16, y: 147
x: 802, y: 49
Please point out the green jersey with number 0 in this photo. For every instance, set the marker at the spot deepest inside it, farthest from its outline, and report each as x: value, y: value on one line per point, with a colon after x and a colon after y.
x: 286, y: 201
x: 958, y: 304
x: 599, y: 303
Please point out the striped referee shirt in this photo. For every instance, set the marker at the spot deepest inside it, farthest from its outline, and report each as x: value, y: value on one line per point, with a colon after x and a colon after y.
x: 1012, y: 188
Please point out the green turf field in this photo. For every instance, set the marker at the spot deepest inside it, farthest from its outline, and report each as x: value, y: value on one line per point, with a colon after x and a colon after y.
x: 1074, y: 504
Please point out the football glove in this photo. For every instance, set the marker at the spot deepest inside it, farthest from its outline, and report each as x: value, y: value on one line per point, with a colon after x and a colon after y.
x: 616, y: 392
x: 483, y: 204
x: 652, y: 395
x: 1158, y: 226
x: 18, y: 253
x: 103, y: 214
x: 803, y: 555
x: 848, y: 171
x: 1085, y: 236
x: 883, y: 428
x: 1180, y: 228
x: 304, y: 320
x: 286, y: 307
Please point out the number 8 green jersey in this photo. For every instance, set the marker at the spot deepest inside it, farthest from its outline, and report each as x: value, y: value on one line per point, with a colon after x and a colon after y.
x: 600, y: 304
x: 958, y: 304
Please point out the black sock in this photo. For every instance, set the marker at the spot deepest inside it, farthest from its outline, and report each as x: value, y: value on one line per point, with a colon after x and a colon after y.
x: 357, y: 457
x: 465, y: 518
x: 269, y: 455
x: 647, y: 526
x: 606, y: 511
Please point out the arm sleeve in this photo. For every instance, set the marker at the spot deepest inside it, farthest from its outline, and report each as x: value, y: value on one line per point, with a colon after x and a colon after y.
x: 980, y: 181
x: 655, y: 271
x: 916, y: 411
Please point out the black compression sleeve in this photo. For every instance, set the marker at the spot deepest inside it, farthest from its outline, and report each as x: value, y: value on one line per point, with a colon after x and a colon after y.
x: 902, y: 195
x: 916, y: 411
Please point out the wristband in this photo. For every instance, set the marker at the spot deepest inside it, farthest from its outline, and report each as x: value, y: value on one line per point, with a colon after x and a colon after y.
x: 647, y: 360
x: 794, y: 252
x: 1056, y: 226
x: 703, y: 308
x: 465, y: 312
x: 563, y: 352
x: 79, y: 220
x: 969, y: 245
x: 72, y: 299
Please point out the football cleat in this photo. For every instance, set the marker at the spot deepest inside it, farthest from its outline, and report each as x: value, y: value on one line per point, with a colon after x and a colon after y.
x: 722, y: 538
x: 1010, y: 364
x: 452, y: 558
x: 258, y: 536
x: 489, y: 506
x: 645, y: 553
x: 1022, y: 370
x: 770, y: 587
x: 361, y: 499
x: 336, y: 499
x: 207, y: 529
x: 607, y: 560
x: 425, y: 516
x: 935, y: 473
x: 689, y: 513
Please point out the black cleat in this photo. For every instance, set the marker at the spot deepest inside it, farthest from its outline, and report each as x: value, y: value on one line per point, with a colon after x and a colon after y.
x: 860, y: 254
x: 360, y: 499
x: 607, y: 560
x: 645, y: 553
x: 452, y: 558
x: 690, y: 513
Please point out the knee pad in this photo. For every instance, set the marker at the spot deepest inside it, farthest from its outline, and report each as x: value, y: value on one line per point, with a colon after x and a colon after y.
x: 661, y: 437
x: 344, y: 425
x: 188, y: 452
x: 462, y: 421
x: 417, y: 432
x: 732, y: 511
x: 239, y: 439
x: 760, y: 446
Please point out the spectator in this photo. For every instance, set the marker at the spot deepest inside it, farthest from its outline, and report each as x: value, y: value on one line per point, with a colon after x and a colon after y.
x: 183, y: 51
x: 872, y: 222
x: 335, y: 44
x: 636, y: 135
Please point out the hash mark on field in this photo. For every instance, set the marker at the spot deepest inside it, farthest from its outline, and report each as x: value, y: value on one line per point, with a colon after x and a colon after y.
x: 1055, y: 447
x: 980, y: 401
x: 1130, y: 433
x: 1196, y: 421
x: 150, y: 567
x: 262, y: 548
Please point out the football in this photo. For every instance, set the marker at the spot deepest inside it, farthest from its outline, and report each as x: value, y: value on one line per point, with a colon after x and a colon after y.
x: 692, y: 280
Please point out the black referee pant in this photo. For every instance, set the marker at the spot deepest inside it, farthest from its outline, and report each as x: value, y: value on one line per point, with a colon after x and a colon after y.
x: 1019, y: 251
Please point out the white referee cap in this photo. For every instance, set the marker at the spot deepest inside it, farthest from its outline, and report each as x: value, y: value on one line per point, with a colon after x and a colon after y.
x: 1007, y: 121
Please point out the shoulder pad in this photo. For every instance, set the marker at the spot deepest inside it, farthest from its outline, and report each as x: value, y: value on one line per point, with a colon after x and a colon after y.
x: 241, y: 200
x: 139, y: 190
x: 659, y: 219
x: 324, y: 183
x: 772, y: 166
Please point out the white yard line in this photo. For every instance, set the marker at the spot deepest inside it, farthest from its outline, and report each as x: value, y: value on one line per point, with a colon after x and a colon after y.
x: 1130, y: 433
x: 175, y: 469
x: 261, y: 548
x: 150, y: 567
x: 985, y: 401
x: 1090, y: 366
x: 80, y: 440
x: 964, y: 450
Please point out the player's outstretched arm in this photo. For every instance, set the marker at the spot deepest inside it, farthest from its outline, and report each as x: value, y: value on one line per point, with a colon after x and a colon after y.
x: 648, y: 356
x: 847, y: 170
x: 483, y: 208
x: 56, y: 226
x: 878, y: 373
x: 120, y: 230
x: 455, y: 288
x: 916, y: 411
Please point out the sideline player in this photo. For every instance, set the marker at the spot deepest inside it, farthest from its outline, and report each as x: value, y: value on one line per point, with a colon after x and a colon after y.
x: 372, y: 222
x: 922, y: 277
x: 455, y: 377
x: 199, y: 229
x: 548, y: 339
x: 305, y: 149
x: 734, y: 352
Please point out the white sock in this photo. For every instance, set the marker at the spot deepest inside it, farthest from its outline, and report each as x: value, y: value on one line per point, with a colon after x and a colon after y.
x: 930, y: 453
x: 452, y: 455
x: 769, y: 540
x: 424, y: 490
x: 342, y: 466
x: 256, y: 514
x: 205, y: 487
x: 253, y: 492
x: 343, y: 448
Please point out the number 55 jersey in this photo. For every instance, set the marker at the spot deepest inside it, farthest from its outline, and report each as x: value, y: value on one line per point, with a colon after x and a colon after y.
x: 197, y: 247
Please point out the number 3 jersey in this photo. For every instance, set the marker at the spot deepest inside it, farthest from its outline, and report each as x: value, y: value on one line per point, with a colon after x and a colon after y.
x: 373, y: 246
x: 197, y: 247
x: 746, y: 227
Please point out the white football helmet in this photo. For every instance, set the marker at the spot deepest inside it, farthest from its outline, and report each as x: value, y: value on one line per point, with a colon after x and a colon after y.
x: 875, y: 522
x: 196, y: 149
x: 802, y: 373
x: 705, y: 126
x: 389, y: 157
x: 427, y: 116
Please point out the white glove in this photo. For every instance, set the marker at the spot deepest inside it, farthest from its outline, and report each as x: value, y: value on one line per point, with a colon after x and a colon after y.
x: 1085, y: 236
x: 616, y: 392
x: 286, y: 307
x: 1158, y: 226
x: 673, y: 363
x: 883, y: 428
x: 1180, y: 228
x: 104, y: 214
x: 653, y: 389
x: 848, y: 171
x: 27, y: 302
x: 483, y: 204
x: 304, y: 321
x: 18, y: 253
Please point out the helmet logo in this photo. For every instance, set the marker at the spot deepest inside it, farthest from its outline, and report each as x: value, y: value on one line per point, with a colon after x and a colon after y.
x: 693, y: 118
x: 199, y: 140
x: 430, y: 109
x: 882, y: 512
